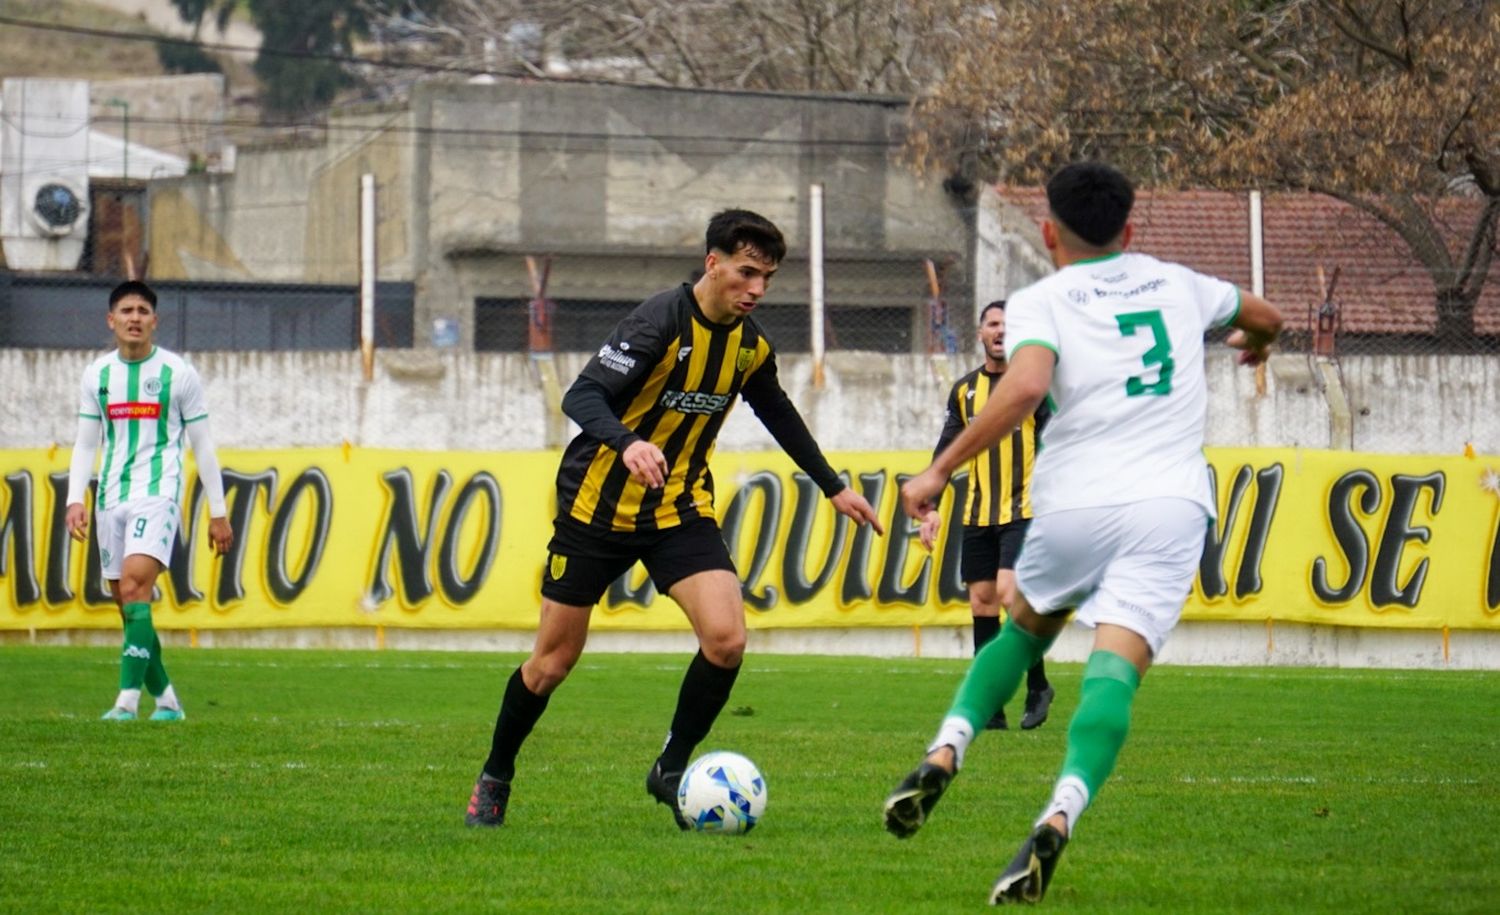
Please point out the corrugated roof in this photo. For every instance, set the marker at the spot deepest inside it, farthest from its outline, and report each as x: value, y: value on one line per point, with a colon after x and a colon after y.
x: 1382, y: 288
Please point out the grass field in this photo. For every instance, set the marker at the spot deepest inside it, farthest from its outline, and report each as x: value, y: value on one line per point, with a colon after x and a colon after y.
x: 323, y: 781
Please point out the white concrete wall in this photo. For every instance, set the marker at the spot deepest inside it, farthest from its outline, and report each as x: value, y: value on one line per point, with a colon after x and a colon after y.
x: 433, y: 400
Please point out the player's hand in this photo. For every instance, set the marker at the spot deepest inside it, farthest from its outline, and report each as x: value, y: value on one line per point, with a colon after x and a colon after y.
x: 853, y: 505
x: 928, y: 532
x: 77, y: 522
x: 919, y: 494
x: 220, y: 535
x: 1253, y: 348
x: 646, y: 463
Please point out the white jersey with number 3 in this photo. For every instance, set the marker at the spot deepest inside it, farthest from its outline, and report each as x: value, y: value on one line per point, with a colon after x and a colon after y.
x: 144, y: 407
x: 1129, y: 393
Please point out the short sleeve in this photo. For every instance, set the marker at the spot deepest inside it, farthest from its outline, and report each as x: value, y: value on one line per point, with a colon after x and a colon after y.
x: 1028, y: 322
x: 191, y: 403
x: 1218, y: 301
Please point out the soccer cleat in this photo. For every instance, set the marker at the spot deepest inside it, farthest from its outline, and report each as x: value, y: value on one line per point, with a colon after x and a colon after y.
x: 1026, y: 879
x: 1037, y: 706
x: 168, y: 714
x: 997, y: 722
x: 908, y: 806
x: 663, y: 785
x: 118, y: 714
x: 487, y: 803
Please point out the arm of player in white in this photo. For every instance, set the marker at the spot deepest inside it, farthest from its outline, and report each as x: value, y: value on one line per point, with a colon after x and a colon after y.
x: 208, y: 466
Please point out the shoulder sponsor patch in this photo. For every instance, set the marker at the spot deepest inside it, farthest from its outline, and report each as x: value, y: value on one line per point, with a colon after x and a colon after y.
x: 615, y: 359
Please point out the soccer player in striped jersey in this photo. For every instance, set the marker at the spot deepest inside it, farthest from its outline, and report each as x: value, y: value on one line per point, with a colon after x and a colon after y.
x: 1122, y: 490
x: 997, y: 508
x: 634, y: 485
x: 140, y: 400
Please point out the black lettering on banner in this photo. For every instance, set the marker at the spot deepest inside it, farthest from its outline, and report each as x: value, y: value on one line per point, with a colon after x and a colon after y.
x: 951, y: 587
x: 240, y: 491
x: 284, y: 585
x: 1211, y: 577
x: 1492, y: 582
x: 1349, y: 535
x: 856, y: 585
x: 16, y: 542
x: 413, y: 545
x: 620, y: 591
x: 456, y: 588
x: 180, y: 572
x: 1267, y: 496
x: 800, y: 589
x: 768, y: 486
x: 59, y: 573
x: 902, y: 531
x: 1385, y: 590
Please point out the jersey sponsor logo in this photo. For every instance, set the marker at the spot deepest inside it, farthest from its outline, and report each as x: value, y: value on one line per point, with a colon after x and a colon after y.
x: 694, y: 401
x: 134, y: 410
x: 1142, y: 289
x: 615, y: 359
x: 743, y: 360
x: 1078, y: 296
x: 153, y: 386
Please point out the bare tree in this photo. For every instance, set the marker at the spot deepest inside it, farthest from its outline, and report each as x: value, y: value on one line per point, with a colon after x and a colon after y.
x: 1390, y: 105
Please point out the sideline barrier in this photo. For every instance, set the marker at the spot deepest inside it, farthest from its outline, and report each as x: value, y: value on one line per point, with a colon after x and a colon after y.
x: 351, y: 537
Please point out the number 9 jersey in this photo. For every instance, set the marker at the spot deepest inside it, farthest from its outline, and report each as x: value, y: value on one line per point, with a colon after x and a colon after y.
x: 1129, y: 393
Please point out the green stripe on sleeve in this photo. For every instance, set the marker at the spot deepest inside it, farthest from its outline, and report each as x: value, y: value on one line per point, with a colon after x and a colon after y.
x: 195, y: 419
x: 1017, y: 348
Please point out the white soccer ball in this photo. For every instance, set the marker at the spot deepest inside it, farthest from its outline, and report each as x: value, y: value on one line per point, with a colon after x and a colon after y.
x: 722, y: 792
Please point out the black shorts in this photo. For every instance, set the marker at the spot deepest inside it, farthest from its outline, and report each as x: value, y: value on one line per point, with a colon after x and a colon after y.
x: 582, y: 562
x: 989, y: 549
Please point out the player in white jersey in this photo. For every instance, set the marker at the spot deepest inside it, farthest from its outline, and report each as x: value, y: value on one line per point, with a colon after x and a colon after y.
x: 1121, y: 490
x: 140, y: 400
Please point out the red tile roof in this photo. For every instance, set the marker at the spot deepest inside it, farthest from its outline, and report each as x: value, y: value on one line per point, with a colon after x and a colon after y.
x: 1382, y: 288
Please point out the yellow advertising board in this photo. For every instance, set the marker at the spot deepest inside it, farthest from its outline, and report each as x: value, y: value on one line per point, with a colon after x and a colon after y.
x: 365, y: 537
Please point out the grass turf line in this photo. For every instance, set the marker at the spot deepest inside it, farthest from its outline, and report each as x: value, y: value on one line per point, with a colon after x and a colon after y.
x: 336, y: 781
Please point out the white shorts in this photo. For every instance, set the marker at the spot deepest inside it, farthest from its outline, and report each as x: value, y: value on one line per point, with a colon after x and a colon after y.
x: 139, y: 526
x: 1130, y: 565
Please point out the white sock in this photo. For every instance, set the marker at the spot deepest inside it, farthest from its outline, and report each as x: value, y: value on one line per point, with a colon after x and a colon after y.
x: 168, y: 699
x: 1070, y: 798
x: 129, y: 700
x: 955, y: 732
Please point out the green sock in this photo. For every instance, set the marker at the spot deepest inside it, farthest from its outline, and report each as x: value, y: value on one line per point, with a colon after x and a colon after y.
x: 996, y: 673
x: 140, y: 638
x: 157, y: 680
x: 1102, y: 720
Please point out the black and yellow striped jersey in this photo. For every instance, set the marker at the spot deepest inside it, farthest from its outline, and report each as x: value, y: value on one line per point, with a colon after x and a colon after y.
x: 670, y: 376
x: 999, y: 476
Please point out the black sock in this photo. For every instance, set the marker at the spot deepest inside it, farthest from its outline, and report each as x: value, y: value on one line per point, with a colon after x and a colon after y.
x: 705, y: 690
x: 1036, y: 677
x: 519, y: 711
x: 985, y: 628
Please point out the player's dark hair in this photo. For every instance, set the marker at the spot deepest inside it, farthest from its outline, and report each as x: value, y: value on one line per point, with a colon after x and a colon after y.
x: 998, y: 303
x: 129, y: 288
x: 1092, y: 200
x: 731, y: 230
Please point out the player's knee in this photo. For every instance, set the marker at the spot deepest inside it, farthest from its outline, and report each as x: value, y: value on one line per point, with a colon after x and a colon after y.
x: 724, y: 649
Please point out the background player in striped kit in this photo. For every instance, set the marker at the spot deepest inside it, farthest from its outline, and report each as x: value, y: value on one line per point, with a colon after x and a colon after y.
x: 140, y: 399
x: 996, y: 509
x: 635, y: 485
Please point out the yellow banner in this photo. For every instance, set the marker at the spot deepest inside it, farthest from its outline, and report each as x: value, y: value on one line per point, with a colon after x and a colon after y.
x: 364, y: 537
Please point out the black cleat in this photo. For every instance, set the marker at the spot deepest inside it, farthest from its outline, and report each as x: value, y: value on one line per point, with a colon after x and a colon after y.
x: 663, y: 786
x: 1037, y: 706
x: 1028, y: 875
x: 997, y: 722
x: 487, y: 803
x: 908, y: 806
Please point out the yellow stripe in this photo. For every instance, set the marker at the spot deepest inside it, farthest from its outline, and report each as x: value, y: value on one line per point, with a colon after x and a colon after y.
x: 666, y: 512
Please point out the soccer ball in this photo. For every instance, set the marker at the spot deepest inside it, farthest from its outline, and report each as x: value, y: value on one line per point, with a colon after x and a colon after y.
x: 722, y: 792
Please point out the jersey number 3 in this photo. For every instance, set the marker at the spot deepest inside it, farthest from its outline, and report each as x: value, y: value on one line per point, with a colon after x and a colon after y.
x: 1159, y: 355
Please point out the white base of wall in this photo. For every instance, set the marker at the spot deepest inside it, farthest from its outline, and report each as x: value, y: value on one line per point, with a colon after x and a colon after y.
x: 1192, y: 643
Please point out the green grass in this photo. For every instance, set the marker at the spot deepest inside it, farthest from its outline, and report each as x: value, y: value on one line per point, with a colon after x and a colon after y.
x: 335, y: 781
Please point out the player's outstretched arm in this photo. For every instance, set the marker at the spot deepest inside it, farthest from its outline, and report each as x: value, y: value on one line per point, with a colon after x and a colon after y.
x: 1256, y: 327
x: 852, y: 505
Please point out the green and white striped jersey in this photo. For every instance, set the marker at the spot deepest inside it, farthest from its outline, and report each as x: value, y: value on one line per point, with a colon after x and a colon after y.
x: 144, y: 407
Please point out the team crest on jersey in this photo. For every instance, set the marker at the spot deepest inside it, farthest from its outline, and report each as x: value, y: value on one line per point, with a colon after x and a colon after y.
x: 743, y: 360
x: 556, y: 566
x: 1079, y: 296
x: 153, y: 386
